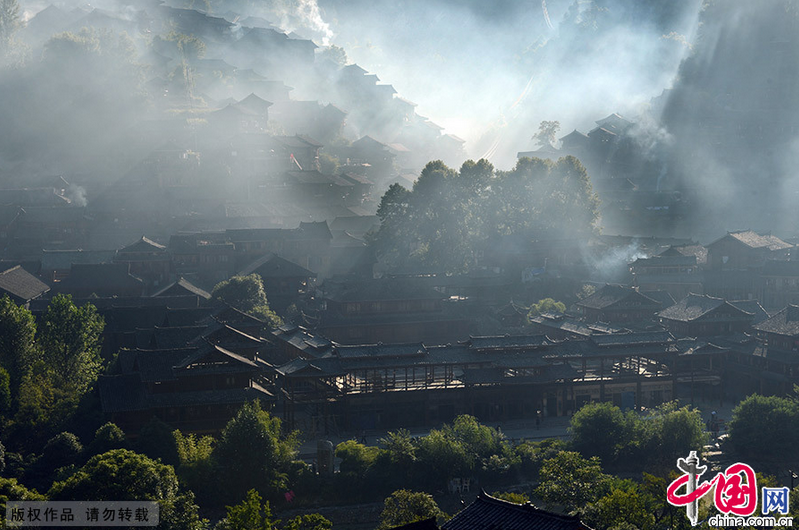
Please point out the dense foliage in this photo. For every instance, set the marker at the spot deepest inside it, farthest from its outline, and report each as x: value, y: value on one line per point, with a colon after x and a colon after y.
x: 765, y: 427
x: 246, y: 293
x: 449, y: 216
x: 652, y: 441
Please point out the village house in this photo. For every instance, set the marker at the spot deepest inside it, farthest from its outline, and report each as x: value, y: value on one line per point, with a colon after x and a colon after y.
x: 20, y: 285
x: 147, y: 260
x: 779, y: 284
x: 618, y: 304
x: 284, y: 282
x: 490, y: 513
x: 705, y: 316
x: 495, y: 378
x: 385, y: 310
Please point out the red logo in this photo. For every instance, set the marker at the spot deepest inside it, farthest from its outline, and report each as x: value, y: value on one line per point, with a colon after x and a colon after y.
x: 735, y: 488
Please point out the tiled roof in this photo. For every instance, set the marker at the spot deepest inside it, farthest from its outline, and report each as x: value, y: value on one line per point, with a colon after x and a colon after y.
x: 182, y: 287
x: 751, y: 306
x: 381, y: 350
x: 63, y: 259
x: 273, y: 266
x: 693, y: 307
x: 626, y: 339
x: 101, y: 276
x: 507, y: 341
x: 752, y: 239
x: 21, y: 284
x: 611, y: 294
x: 489, y: 513
x: 143, y: 245
x: 786, y: 322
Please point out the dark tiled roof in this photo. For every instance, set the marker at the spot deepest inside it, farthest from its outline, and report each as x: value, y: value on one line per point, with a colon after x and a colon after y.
x: 273, y: 266
x: 21, y: 284
x: 754, y: 240
x: 63, y: 259
x: 507, y: 341
x: 786, y: 322
x: 751, y: 306
x: 626, y: 339
x: 104, y: 277
x: 379, y: 289
x: 489, y: 513
x: 381, y: 350
x: 611, y: 294
x: 694, y: 307
x: 182, y: 287
x: 143, y: 245
x: 665, y: 261
x: 665, y: 299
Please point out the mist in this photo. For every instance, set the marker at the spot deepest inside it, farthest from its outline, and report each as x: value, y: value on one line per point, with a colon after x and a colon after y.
x: 491, y: 75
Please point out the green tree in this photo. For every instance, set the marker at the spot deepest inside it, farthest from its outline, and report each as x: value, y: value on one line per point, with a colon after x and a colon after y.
x: 621, y: 506
x: 249, y: 514
x: 441, y: 458
x: 5, y: 395
x: 252, y: 453
x: 44, y: 407
x: 516, y: 498
x: 157, y: 441
x: 404, y: 507
x: 197, y: 469
x: 547, y: 305
x: 765, y: 427
x: 246, y: 293
x: 11, y: 490
x: 18, y: 349
x: 601, y: 430
x: 356, y: 458
x: 109, y: 436
x: 70, y: 338
x: 571, y: 481
x: 122, y: 475
x: 672, y: 433
x: 308, y: 521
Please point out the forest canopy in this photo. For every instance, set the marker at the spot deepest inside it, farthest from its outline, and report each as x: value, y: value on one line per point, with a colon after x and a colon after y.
x: 448, y: 215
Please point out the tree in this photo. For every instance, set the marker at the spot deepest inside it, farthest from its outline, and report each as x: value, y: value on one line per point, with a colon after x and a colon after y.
x: 70, y: 338
x: 308, y: 521
x: 765, y: 426
x: 356, y: 458
x: 17, y: 342
x: 122, y: 475
x: 252, y: 453
x: 249, y: 514
x: 44, y: 407
x: 547, y: 305
x: 673, y: 432
x: 246, y: 293
x: 5, y: 394
x: 197, y: 469
x: 109, y: 436
x: 601, y: 429
x: 10, y: 22
x: 547, y: 133
x: 157, y: 441
x: 404, y: 507
x: 571, y: 481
